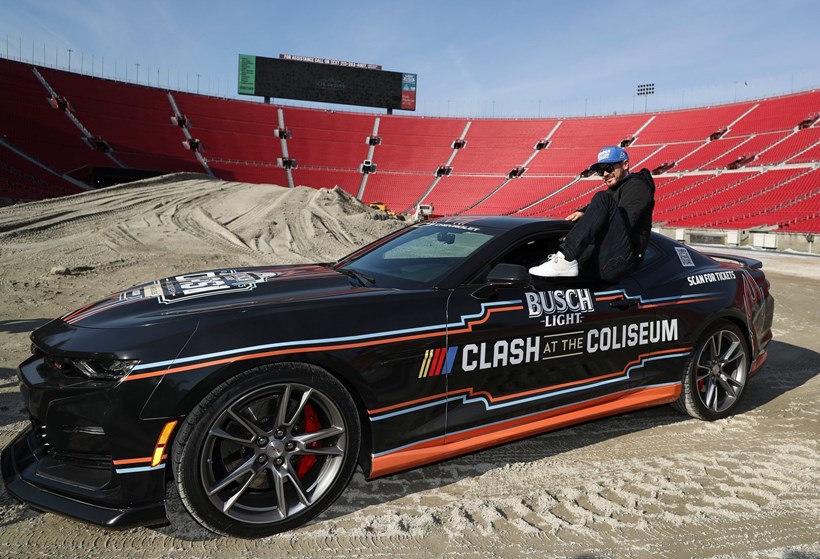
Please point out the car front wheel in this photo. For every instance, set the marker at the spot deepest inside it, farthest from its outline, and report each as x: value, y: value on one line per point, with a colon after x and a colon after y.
x: 267, y: 450
x: 715, y: 377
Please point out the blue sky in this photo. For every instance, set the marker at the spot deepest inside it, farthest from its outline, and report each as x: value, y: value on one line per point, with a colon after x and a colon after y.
x: 505, y: 58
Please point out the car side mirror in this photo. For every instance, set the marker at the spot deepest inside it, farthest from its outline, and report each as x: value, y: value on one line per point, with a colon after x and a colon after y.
x: 509, y: 275
x: 503, y: 275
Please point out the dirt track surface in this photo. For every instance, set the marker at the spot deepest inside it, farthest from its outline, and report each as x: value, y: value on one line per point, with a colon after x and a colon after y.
x: 647, y: 484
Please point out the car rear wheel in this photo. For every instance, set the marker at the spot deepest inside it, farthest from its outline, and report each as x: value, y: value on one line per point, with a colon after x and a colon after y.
x: 267, y: 450
x: 715, y: 377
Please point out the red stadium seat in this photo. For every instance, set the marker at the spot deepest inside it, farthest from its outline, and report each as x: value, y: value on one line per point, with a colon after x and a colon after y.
x: 59, y: 127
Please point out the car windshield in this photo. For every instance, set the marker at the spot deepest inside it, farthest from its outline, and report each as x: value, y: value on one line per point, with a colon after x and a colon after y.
x: 417, y: 258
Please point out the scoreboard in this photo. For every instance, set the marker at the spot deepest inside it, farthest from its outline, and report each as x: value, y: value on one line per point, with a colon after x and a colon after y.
x: 326, y: 81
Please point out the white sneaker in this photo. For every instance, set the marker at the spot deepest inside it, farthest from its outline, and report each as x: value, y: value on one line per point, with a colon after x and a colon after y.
x: 556, y: 266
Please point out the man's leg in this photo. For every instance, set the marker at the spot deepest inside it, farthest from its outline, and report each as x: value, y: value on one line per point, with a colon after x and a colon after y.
x: 611, y: 255
x: 600, y: 239
x: 581, y: 241
x: 588, y: 230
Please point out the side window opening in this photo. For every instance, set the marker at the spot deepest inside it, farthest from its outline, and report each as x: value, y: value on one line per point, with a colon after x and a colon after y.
x: 527, y: 254
x: 532, y: 252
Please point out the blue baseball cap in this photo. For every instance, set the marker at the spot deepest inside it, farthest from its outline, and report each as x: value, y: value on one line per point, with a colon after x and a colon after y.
x: 610, y: 154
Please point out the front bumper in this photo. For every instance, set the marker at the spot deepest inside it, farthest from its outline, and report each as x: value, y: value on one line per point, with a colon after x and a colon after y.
x: 22, y: 469
x: 86, y: 453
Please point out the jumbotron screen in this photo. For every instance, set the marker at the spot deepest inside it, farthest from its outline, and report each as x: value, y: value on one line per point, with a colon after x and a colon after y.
x: 326, y: 81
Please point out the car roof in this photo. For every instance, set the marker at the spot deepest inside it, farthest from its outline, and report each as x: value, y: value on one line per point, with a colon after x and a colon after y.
x: 506, y: 222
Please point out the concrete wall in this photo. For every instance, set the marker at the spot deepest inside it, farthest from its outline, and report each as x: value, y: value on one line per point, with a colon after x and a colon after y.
x: 766, y: 240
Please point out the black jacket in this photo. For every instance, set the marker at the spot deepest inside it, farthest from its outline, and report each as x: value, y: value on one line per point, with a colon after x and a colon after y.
x: 635, y: 194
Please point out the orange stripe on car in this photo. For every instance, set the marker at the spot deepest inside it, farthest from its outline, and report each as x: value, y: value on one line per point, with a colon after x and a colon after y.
x: 521, y: 427
x: 126, y: 461
x: 293, y: 351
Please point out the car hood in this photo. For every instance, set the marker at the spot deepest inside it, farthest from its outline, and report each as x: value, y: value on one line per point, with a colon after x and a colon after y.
x: 210, y: 291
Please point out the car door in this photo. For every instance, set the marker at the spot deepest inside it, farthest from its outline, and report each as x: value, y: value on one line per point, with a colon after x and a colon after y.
x: 522, y: 357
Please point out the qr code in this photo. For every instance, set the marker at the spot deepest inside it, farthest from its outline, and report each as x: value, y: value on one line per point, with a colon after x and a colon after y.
x: 685, y: 258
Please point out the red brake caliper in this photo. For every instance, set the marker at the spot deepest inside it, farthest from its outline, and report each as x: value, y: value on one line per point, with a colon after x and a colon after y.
x: 312, y: 424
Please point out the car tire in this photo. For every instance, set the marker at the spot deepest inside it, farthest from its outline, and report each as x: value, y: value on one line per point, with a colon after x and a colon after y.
x: 715, y: 377
x: 267, y: 450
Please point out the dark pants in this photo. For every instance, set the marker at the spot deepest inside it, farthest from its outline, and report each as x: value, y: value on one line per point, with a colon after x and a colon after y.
x: 600, y: 240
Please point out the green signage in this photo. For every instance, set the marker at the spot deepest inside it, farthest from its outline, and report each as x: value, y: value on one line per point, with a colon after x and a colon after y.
x: 247, y: 74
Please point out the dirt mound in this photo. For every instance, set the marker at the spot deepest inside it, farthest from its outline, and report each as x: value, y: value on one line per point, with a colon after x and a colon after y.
x: 179, y: 223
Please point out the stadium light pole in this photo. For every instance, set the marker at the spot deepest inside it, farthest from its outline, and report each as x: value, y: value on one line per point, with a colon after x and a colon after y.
x: 69, y: 59
x: 197, y: 83
x: 137, y: 64
x: 646, y: 90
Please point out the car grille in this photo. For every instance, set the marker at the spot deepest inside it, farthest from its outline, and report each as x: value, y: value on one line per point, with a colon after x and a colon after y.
x: 70, y: 456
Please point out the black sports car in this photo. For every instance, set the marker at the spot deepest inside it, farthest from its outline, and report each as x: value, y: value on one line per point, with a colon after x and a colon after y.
x: 258, y: 391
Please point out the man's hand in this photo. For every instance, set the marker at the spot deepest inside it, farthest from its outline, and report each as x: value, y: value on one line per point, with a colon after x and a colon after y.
x: 575, y: 216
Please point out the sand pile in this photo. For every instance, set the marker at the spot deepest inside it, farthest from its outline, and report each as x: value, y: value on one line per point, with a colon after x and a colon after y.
x: 181, y: 223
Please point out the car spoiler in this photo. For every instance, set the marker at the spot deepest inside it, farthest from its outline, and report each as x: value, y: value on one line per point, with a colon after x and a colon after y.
x: 751, y: 263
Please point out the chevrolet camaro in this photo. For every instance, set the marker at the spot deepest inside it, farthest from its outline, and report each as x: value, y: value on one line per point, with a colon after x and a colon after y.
x: 258, y: 391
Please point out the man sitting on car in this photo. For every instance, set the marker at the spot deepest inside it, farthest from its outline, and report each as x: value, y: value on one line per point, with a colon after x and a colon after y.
x: 610, y: 234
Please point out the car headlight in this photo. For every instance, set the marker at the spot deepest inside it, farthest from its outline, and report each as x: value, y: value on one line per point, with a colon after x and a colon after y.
x: 104, y: 369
